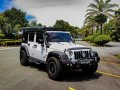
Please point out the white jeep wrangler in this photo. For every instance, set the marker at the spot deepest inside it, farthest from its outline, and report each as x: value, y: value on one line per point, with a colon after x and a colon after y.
x: 55, y: 48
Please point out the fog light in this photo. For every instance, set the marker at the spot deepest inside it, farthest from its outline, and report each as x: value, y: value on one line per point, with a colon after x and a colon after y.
x: 70, y: 59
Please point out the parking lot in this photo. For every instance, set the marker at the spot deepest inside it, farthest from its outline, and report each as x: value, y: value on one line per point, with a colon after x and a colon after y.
x: 13, y: 76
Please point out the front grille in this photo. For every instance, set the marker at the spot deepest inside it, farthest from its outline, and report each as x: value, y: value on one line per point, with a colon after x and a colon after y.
x: 79, y: 54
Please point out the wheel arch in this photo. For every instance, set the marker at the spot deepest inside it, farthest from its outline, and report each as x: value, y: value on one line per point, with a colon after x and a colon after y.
x: 59, y: 55
x: 95, y: 54
x: 25, y: 48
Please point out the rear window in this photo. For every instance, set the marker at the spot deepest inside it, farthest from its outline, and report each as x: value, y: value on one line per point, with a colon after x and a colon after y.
x: 31, y: 37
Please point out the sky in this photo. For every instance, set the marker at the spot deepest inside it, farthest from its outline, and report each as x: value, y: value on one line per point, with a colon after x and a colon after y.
x: 48, y: 11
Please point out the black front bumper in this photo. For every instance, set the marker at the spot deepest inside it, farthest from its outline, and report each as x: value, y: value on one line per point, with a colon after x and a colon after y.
x: 81, y: 62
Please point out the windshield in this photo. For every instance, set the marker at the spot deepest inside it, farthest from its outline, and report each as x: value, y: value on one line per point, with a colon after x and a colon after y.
x: 59, y: 37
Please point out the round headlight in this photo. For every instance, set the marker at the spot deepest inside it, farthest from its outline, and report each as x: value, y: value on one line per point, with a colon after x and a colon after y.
x: 92, y: 54
x: 70, y: 53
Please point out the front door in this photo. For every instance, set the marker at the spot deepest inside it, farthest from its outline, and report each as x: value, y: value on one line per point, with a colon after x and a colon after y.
x: 40, y: 47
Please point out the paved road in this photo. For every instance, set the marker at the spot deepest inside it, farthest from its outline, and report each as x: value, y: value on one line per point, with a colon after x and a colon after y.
x: 13, y: 76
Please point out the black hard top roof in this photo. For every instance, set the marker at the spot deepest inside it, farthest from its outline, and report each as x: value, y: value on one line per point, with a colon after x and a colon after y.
x: 40, y: 28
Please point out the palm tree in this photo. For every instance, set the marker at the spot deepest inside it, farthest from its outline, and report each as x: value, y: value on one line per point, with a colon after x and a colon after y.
x: 101, y: 8
x: 100, y: 19
x: 117, y: 22
x: 90, y: 21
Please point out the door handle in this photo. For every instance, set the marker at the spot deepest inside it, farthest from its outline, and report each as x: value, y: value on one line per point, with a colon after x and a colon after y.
x: 28, y: 44
x: 35, y: 46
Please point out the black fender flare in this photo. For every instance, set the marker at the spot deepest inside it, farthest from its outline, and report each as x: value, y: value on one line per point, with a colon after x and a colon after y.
x: 25, y: 48
x: 95, y: 55
x: 63, y: 58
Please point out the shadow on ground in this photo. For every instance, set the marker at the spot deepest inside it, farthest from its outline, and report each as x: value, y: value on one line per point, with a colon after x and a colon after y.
x: 70, y: 76
x: 76, y: 76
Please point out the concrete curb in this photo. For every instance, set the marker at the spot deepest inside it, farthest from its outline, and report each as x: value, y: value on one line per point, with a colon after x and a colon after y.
x: 7, y: 48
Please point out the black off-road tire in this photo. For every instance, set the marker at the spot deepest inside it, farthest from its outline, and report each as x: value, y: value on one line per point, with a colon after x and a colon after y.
x: 54, y: 68
x: 90, y: 69
x: 24, y: 58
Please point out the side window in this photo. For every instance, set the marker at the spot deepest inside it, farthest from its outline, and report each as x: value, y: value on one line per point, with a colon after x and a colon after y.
x: 31, y: 37
x: 25, y: 37
x: 39, y: 36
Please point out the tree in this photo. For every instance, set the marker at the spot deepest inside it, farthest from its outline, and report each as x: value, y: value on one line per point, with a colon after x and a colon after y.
x: 90, y: 21
x: 101, y: 19
x: 33, y: 23
x: 16, y: 16
x: 84, y: 31
x: 39, y: 24
x: 63, y: 24
x: 3, y: 20
x: 67, y: 27
x: 99, y: 9
x: 117, y: 22
x: 16, y: 29
x: 11, y: 20
x: 109, y: 27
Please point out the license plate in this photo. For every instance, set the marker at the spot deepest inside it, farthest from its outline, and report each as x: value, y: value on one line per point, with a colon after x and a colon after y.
x: 86, y: 61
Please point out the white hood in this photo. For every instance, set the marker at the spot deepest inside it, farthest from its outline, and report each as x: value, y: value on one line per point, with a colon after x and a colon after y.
x: 63, y: 45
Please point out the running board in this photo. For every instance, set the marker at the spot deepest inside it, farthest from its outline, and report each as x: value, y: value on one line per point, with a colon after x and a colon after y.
x: 34, y: 60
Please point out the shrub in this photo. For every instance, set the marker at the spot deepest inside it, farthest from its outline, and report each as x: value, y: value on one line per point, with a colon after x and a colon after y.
x: 3, y: 40
x: 89, y: 38
x: 18, y: 36
x: 11, y: 43
x: 2, y: 43
x: 2, y: 36
x: 102, y: 39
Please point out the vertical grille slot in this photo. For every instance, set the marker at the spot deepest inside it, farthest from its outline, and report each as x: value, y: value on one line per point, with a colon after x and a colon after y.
x: 79, y: 54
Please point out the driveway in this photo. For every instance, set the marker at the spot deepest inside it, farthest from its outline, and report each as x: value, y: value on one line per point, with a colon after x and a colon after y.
x: 13, y: 76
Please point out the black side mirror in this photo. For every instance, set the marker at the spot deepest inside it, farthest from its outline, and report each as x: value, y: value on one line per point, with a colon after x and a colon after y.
x: 47, y: 45
x: 73, y: 40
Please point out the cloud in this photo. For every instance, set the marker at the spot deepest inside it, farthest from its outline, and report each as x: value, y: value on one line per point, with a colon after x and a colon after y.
x: 48, y: 11
x: 43, y: 3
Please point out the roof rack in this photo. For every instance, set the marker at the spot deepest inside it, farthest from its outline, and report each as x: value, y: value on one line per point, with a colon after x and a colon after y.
x: 40, y: 28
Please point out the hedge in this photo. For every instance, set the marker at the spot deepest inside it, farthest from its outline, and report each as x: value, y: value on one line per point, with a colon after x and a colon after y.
x: 102, y: 39
x: 10, y: 43
x: 2, y: 36
x: 3, y: 40
x: 91, y: 37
